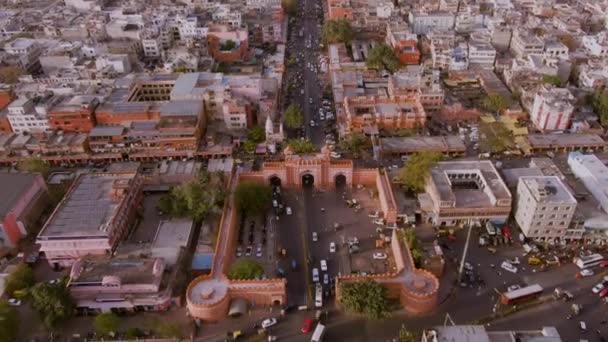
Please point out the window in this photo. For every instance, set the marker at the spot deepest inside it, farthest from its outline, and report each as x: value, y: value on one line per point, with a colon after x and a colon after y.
x: 555, y: 208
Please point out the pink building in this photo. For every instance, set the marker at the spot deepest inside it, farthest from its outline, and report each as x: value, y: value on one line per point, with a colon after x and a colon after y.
x: 552, y: 109
x: 92, y: 218
x: 100, y: 283
x: 22, y: 200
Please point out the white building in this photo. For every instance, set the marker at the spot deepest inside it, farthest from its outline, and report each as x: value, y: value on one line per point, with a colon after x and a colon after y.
x: 523, y: 44
x: 596, y: 45
x: 481, y: 54
x: 555, y: 49
x: 552, y: 108
x: 422, y: 22
x: 545, y: 208
x: 593, y: 75
x: 24, y: 116
x: 590, y: 170
x: 84, y: 5
x: 254, y: 4
x: 113, y: 64
x: 225, y: 15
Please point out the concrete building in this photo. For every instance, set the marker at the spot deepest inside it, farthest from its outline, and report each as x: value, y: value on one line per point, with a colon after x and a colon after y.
x: 478, y: 333
x: 27, y: 115
x: 593, y: 173
x: 424, y: 22
x: 93, y: 217
x: 545, y: 208
x: 552, y: 109
x: 218, y: 38
x: 465, y: 192
x: 112, y: 64
x: 481, y: 55
x: 524, y: 43
x: 23, y: 200
x: 369, y: 114
x: 597, y: 45
x: 74, y: 114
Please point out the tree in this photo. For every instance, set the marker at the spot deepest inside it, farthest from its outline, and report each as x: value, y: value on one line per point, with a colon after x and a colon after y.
x: 355, y: 143
x: 53, y: 302
x: 413, y: 174
x: 255, y: 136
x: 599, y: 103
x: 569, y: 41
x: 293, y: 117
x: 252, y: 198
x: 245, y: 268
x: 406, y: 335
x: 290, y: 6
x: 106, y: 323
x: 552, y: 79
x: 134, y: 333
x: 409, y: 237
x: 485, y: 8
x: 301, y: 146
x: 494, y: 103
x: 169, y: 330
x: 9, y: 322
x: 495, y: 137
x: 195, y: 199
x: 337, y: 31
x: 366, y: 297
x: 35, y: 165
x: 21, y: 278
x: 10, y: 74
x: 382, y: 57
x: 228, y: 45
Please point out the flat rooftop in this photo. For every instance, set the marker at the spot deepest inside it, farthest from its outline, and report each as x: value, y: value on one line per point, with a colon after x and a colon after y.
x: 478, y: 333
x: 564, y: 140
x: 173, y: 233
x: 412, y: 144
x: 128, y: 270
x: 548, y: 189
x: 446, y: 175
x: 13, y: 186
x: 88, y: 208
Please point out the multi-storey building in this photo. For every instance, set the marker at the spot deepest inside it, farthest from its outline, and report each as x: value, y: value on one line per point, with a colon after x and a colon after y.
x: 465, y: 192
x: 552, y: 109
x: 545, y: 207
x: 424, y: 22
x: 414, y: 80
x: 403, y: 43
x: 27, y: 51
x: 93, y: 217
x: 226, y: 44
x: 370, y: 113
x: 481, y: 54
x: 74, y: 113
x: 592, y: 172
x: 30, y: 115
x: 597, y: 45
x: 524, y: 43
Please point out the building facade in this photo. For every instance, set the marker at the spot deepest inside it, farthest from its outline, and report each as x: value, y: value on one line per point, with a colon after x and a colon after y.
x: 552, y: 109
x: 545, y: 207
x: 370, y: 113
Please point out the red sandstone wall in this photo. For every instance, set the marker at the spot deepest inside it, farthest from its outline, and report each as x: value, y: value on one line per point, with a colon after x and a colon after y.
x: 365, y: 177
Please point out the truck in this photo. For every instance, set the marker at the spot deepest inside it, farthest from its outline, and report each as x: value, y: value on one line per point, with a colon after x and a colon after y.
x: 317, y: 335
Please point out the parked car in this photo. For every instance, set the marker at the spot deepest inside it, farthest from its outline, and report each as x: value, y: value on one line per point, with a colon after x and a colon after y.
x: 258, y: 251
x: 306, y: 325
x: 379, y: 256
x: 248, y: 251
x: 315, y: 275
x: 598, y: 287
x: 586, y: 272
x: 326, y: 279
x: 239, y: 251
x: 603, y: 293
x: 315, y: 237
x: 507, y: 266
x: 324, y: 265
x: 374, y: 214
x: 288, y: 211
x: 268, y: 322
x: 332, y: 247
x: 14, y: 302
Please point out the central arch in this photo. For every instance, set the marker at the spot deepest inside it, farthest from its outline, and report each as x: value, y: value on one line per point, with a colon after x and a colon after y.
x: 275, y: 181
x: 340, y: 181
x: 308, y: 180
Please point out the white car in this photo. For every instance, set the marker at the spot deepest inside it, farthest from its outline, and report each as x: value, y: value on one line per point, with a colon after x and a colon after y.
x: 326, y: 279
x: 312, y: 123
x: 379, y: 256
x: 14, y: 302
x: 334, y: 155
x: 268, y: 322
x: 374, y: 214
x: 587, y: 272
x: 597, y: 288
x: 324, y: 265
x: 332, y: 247
x: 315, y: 237
x: 288, y: 211
x: 507, y: 266
x: 315, y: 275
x: 258, y: 251
x: 379, y: 221
x: 513, y: 288
x: 239, y: 251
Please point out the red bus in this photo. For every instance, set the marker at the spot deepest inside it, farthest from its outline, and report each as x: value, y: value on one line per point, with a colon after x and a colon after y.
x: 521, y: 295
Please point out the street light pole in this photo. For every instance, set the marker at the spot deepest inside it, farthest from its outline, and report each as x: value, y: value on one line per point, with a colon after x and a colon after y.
x: 464, y: 252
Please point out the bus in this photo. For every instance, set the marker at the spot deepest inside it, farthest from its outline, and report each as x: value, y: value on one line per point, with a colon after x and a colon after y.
x: 317, y: 335
x: 588, y: 261
x: 319, y: 296
x: 521, y: 295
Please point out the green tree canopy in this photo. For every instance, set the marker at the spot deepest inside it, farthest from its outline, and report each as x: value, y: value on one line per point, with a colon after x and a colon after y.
x: 9, y: 322
x: 35, y: 165
x: 406, y: 335
x: 106, y: 323
x: 290, y: 6
x: 494, y: 103
x: 495, y: 137
x: 337, y: 31
x: 301, y: 146
x: 552, y: 79
x: 355, y: 143
x: 253, y: 198
x: 366, y: 297
x: 413, y: 174
x: 22, y: 278
x: 245, y: 268
x: 293, y: 117
x: 382, y: 57
x: 10, y: 74
x: 599, y: 103
x: 228, y: 45
x: 169, y: 330
x: 255, y: 136
x: 53, y: 302
x: 196, y: 198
